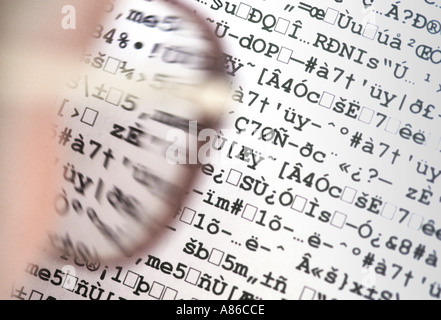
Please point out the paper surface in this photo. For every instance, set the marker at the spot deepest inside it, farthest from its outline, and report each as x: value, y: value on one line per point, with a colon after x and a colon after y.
x: 325, y: 184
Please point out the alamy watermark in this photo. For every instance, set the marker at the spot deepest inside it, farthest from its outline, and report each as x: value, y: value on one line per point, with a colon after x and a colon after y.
x: 208, y: 146
x: 69, y: 20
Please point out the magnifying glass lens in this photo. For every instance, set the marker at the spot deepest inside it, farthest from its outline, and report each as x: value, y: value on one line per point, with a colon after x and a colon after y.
x: 149, y: 82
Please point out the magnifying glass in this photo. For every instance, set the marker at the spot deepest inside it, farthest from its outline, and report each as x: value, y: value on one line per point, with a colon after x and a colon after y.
x: 153, y: 79
x: 128, y: 124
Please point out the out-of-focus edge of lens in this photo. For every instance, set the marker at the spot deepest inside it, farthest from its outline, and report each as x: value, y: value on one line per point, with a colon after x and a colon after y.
x: 212, y: 95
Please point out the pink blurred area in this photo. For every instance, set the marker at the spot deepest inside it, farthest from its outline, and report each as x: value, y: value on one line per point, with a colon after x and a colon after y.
x: 35, y: 52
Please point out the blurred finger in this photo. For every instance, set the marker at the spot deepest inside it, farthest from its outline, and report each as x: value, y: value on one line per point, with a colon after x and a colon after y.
x: 36, y: 51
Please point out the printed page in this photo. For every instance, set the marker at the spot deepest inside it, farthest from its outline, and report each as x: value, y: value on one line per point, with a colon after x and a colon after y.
x: 321, y: 180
